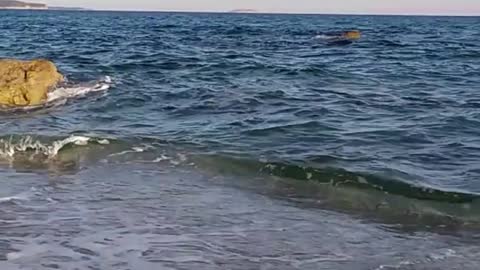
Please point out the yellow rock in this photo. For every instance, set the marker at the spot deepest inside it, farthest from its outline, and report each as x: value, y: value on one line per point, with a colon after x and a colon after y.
x: 352, y: 35
x: 24, y: 83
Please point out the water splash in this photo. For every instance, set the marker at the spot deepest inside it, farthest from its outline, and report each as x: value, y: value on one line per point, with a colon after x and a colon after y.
x: 9, y: 148
x: 64, y: 93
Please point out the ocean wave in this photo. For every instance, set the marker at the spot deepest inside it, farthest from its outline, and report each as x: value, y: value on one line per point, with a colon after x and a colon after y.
x: 340, y: 177
x: 23, y: 196
x: 376, y: 197
x: 324, y: 37
x: 63, y: 93
x: 330, y: 182
x: 10, y: 198
x: 27, y: 144
x: 50, y: 147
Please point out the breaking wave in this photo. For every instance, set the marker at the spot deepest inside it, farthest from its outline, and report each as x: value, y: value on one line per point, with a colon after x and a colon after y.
x: 64, y: 93
x: 11, y: 147
x: 50, y: 147
x: 338, y: 186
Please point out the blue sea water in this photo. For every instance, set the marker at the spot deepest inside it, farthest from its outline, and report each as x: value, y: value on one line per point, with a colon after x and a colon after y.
x: 231, y: 141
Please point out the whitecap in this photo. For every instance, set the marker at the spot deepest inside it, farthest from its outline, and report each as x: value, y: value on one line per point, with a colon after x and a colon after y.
x: 24, y: 196
x: 64, y: 93
x: 138, y: 149
x: 132, y: 150
x: 58, y: 145
x: 9, y: 199
x: 323, y: 37
x: 13, y: 256
x: 8, y: 148
x: 161, y: 158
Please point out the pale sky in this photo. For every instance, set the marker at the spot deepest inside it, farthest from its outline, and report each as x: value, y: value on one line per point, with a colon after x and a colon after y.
x: 447, y: 7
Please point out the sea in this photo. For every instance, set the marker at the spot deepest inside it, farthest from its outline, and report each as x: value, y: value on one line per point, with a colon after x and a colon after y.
x: 243, y: 142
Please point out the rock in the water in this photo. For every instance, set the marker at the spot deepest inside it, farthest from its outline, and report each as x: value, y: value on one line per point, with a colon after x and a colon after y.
x: 24, y: 83
x: 352, y: 35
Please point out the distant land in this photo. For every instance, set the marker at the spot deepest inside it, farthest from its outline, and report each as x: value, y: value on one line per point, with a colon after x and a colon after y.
x: 67, y: 8
x: 13, y: 4
x: 244, y: 10
x: 16, y: 4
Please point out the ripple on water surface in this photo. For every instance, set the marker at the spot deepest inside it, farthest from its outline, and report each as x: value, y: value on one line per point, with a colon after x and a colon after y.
x: 239, y: 141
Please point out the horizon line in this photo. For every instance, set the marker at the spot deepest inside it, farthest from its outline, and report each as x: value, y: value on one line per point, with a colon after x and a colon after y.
x: 253, y: 12
x: 292, y: 13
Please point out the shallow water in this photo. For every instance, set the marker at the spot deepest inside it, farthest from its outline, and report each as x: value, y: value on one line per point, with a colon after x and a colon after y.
x: 221, y: 141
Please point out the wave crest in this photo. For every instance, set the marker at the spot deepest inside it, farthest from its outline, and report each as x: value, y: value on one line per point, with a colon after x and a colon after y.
x: 10, y: 147
x: 63, y: 93
x: 342, y: 178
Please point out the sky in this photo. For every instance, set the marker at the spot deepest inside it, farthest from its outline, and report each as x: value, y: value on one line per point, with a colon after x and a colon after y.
x: 427, y: 7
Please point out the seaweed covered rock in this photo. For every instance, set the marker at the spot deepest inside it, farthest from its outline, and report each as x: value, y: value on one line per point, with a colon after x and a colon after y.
x: 26, y: 83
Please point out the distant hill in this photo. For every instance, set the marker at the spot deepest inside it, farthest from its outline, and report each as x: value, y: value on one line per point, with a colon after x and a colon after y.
x: 244, y: 10
x: 67, y: 8
x: 12, y: 4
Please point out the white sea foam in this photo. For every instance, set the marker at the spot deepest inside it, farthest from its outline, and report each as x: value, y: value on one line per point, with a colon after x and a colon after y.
x: 13, y: 256
x: 9, y: 199
x: 8, y: 148
x: 64, y: 93
x: 323, y: 37
x: 161, y: 158
x: 433, y: 257
x: 24, y: 196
